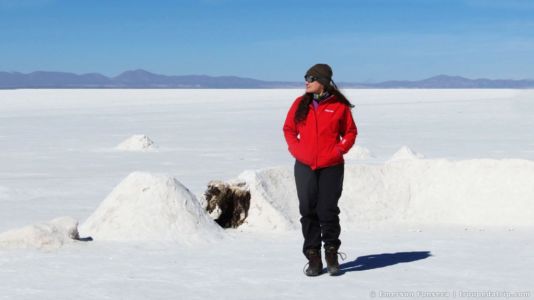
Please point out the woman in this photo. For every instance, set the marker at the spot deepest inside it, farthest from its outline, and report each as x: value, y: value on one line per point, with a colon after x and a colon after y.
x: 319, y: 129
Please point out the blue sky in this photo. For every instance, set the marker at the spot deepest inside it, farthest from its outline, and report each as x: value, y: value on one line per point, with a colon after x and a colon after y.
x: 363, y: 40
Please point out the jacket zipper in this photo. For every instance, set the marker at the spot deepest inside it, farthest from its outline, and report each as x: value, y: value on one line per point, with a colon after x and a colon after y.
x: 317, y: 136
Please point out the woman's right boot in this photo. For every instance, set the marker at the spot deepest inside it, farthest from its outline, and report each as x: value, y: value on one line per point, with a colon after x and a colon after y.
x: 315, y: 263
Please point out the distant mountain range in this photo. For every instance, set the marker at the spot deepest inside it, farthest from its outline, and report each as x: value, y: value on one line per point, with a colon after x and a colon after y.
x: 145, y: 79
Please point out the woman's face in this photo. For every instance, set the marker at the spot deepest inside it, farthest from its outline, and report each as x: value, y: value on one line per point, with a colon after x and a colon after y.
x: 314, y: 87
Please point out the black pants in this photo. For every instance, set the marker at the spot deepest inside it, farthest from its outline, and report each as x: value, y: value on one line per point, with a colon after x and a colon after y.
x: 318, y: 192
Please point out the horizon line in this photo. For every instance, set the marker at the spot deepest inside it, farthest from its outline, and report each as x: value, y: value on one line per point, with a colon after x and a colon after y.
x: 242, y: 77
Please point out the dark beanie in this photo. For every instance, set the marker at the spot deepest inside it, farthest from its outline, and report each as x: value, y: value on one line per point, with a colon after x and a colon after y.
x: 323, y: 72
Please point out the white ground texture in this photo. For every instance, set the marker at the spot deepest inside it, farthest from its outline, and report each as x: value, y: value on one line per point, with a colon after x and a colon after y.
x: 437, y: 199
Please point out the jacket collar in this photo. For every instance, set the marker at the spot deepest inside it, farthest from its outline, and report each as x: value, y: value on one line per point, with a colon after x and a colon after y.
x: 327, y: 99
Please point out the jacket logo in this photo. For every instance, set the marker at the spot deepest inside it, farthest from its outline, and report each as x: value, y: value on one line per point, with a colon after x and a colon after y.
x: 329, y: 110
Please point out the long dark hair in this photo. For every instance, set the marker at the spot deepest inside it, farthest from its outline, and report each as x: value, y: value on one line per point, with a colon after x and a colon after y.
x: 307, y: 98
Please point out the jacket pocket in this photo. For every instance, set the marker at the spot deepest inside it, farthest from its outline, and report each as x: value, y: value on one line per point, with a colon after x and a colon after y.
x: 299, y: 153
x: 335, y: 155
x: 294, y: 149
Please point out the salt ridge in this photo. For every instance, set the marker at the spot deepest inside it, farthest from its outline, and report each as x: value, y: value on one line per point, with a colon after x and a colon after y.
x: 479, y: 192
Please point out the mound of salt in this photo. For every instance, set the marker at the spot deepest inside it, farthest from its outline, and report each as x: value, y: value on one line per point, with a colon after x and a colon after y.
x: 273, y: 204
x: 358, y: 153
x: 138, y: 142
x: 405, y: 153
x: 48, y: 236
x: 151, y: 207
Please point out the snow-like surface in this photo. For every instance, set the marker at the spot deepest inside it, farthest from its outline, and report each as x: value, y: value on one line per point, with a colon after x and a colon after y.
x: 468, y: 202
x: 49, y: 236
x: 149, y: 207
x: 137, y: 143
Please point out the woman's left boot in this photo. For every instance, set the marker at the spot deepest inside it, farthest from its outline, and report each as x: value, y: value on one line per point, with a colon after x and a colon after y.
x: 332, y: 265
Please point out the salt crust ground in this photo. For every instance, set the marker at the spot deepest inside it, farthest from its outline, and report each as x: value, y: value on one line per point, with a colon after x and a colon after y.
x: 51, y: 170
x: 266, y: 266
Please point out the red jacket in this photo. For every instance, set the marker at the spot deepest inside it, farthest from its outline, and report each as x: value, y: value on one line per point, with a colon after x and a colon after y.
x: 324, y: 136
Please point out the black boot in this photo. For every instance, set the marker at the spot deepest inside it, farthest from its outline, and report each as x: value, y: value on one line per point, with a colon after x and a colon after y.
x: 315, y: 264
x: 332, y: 265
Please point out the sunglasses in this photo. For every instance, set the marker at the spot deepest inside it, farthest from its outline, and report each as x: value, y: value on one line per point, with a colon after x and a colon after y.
x: 310, y: 78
